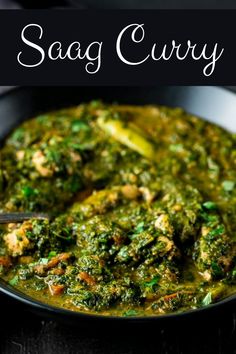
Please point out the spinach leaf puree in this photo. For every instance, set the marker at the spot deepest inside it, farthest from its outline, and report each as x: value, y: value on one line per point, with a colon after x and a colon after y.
x: 143, y: 210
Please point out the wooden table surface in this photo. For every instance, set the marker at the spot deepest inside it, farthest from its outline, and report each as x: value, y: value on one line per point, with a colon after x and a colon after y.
x: 24, y: 332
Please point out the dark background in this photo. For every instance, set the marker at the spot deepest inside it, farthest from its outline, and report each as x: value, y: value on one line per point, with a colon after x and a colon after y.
x: 23, y: 332
x: 160, y: 26
x: 125, y: 4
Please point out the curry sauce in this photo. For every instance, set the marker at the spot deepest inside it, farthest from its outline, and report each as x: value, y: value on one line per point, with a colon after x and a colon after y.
x: 142, y: 202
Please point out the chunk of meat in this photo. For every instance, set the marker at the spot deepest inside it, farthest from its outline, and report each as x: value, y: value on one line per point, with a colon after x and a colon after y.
x: 130, y: 191
x: 20, y: 154
x: 162, y: 223
x: 98, y: 203
x: 16, y: 239
x: 214, y: 251
x: 88, y: 279
x: 5, y: 261
x: 104, y: 200
x: 62, y: 257
x: 56, y: 289
x: 41, y: 269
x: 39, y: 161
x: 147, y: 194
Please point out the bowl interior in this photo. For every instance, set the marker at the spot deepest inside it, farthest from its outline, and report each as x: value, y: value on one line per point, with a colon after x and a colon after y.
x: 212, y: 103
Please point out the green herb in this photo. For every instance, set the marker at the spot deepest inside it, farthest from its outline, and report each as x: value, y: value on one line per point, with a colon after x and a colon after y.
x: 130, y: 313
x: 39, y: 285
x: 18, y: 134
x: 210, y: 219
x: 217, y: 271
x: 95, y: 103
x: 210, y: 205
x: 53, y: 156
x: 75, y: 185
x: 176, y: 147
x: 42, y: 118
x: 64, y: 233
x: 207, y: 299
x: 152, y: 282
x: 123, y: 254
x: 218, y: 231
x: 14, y: 280
x: 213, y: 167
x: 78, y: 125
x: 52, y: 254
x: 28, y: 191
x: 228, y: 185
x: 78, y: 146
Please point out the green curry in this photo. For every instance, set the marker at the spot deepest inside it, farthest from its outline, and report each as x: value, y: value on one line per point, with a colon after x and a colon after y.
x: 142, y: 203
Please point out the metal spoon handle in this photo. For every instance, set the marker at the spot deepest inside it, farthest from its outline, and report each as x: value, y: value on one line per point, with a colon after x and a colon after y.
x: 6, y: 218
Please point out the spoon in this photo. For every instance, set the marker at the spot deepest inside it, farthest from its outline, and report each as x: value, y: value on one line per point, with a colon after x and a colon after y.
x: 6, y: 218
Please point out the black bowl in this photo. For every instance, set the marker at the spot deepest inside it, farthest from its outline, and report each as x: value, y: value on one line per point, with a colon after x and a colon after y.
x: 212, y: 103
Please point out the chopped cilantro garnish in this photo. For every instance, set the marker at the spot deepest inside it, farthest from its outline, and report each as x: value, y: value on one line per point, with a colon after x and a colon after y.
x: 140, y: 227
x: 28, y: 191
x: 152, y: 282
x: 209, y: 218
x: 228, y: 185
x: 14, y: 280
x: 78, y: 146
x: 75, y: 185
x: 218, y: 231
x: 78, y: 125
x: 176, y: 147
x: 52, y: 254
x: 130, y: 313
x: 95, y: 103
x: 18, y: 134
x: 42, y: 118
x: 210, y: 205
x: 53, y: 156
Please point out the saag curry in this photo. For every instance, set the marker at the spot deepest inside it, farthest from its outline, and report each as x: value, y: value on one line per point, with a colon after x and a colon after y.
x: 142, y: 204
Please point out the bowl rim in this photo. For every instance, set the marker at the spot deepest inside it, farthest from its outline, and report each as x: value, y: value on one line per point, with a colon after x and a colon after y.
x: 18, y: 295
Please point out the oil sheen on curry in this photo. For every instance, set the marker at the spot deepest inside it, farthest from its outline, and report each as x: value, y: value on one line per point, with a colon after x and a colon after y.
x: 142, y: 202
